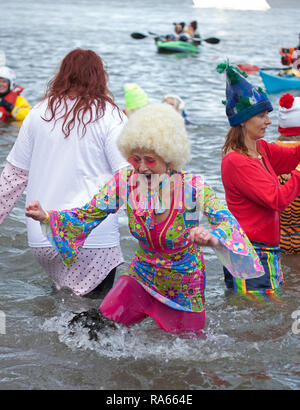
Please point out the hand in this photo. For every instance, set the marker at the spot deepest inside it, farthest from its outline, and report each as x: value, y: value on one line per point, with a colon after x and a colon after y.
x: 35, y: 211
x: 202, y: 237
x: 7, y: 105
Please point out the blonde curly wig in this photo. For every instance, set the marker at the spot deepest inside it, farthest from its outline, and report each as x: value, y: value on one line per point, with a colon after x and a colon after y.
x: 157, y: 127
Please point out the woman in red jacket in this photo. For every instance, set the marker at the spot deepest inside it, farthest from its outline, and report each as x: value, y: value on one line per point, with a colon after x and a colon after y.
x: 250, y: 167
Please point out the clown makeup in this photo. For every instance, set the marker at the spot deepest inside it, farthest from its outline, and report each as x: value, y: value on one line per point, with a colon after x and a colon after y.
x: 153, y: 175
x: 147, y: 162
x: 135, y: 160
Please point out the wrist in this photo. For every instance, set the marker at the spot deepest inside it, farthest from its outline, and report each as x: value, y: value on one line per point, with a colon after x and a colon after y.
x: 46, y: 220
x: 215, y: 243
x: 7, y: 105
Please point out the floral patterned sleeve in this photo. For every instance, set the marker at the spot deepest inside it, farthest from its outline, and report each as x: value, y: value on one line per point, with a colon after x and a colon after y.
x: 236, y: 252
x: 67, y: 230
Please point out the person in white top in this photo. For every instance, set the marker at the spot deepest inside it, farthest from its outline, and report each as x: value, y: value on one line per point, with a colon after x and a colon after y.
x: 65, y: 151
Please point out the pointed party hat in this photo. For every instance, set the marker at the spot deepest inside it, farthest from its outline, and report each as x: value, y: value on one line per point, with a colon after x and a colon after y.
x: 243, y: 100
x: 135, y: 96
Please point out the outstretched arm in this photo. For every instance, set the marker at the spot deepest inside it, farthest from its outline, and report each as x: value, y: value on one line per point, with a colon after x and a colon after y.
x: 235, y: 251
x: 202, y: 237
x: 67, y: 230
x: 35, y: 211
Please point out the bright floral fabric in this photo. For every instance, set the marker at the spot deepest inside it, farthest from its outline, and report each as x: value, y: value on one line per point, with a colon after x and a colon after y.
x: 166, y: 264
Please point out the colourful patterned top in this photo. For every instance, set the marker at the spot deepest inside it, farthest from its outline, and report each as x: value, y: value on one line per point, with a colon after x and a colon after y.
x: 166, y: 264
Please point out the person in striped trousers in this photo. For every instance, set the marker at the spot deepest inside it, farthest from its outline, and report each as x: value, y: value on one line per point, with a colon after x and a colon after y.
x: 289, y: 129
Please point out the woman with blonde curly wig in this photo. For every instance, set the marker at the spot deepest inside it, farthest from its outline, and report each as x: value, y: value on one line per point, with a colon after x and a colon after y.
x: 166, y: 278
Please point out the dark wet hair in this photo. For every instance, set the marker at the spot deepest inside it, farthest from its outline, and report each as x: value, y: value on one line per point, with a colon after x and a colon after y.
x: 194, y: 24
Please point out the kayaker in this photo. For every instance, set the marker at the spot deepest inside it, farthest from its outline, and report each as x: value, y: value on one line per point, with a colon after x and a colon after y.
x: 166, y: 279
x: 135, y: 98
x: 65, y: 150
x: 288, y: 72
x: 12, y: 104
x: 191, y: 33
x: 176, y: 102
x: 250, y: 167
x: 289, y: 129
x: 178, y: 28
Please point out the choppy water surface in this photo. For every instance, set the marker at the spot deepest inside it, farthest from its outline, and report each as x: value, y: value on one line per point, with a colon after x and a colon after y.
x: 247, y: 344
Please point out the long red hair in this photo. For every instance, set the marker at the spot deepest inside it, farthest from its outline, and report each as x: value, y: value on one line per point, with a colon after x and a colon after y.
x: 81, y: 78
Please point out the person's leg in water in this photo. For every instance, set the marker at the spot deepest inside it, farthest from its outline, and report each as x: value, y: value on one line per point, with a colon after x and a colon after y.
x: 129, y: 303
x: 126, y: 302
x: 104, y: 286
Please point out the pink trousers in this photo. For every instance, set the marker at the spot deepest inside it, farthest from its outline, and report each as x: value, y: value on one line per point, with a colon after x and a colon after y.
x: 129, y: 303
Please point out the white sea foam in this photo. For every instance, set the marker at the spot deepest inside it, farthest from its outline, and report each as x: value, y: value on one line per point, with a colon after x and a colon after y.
x: 142, y: 341
x: 233, y: 4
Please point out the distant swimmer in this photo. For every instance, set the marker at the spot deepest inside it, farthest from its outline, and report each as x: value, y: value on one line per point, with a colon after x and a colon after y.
x: 178, y: 103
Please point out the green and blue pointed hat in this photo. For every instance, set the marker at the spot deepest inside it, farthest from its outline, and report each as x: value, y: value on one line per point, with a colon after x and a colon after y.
x: 243, y: 100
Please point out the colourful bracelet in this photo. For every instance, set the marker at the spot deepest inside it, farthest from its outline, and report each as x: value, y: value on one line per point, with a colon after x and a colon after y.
x: 46, y: 220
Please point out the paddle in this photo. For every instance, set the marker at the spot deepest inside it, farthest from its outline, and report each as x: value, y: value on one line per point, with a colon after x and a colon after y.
x: 253, y: 69
x: 210, y: 40
x: 139, y: 36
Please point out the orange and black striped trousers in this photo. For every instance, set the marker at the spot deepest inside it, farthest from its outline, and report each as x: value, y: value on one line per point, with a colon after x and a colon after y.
x: 290, y: 227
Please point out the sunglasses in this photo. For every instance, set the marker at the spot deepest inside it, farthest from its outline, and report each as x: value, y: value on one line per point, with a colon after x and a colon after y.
x: 148, y: 161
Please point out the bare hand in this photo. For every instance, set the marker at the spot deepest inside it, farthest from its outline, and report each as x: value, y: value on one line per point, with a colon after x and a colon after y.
x: 35, y: 211
x: 202, y: 237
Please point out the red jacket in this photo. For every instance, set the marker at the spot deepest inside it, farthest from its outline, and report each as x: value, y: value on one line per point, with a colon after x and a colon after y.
x: 10, y: 97
x: 254, y: 195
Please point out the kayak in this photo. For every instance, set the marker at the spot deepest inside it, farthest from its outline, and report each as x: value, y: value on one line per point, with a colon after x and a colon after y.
x: 276, y: 83
x: 176, y: 47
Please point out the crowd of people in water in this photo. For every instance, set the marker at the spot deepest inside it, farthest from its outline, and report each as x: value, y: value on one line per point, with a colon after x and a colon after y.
x: 106, y: 158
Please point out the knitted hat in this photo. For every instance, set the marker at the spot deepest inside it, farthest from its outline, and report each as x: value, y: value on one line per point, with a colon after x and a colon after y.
x: 289, y: 115
x: 243, y: 100
x: 135, y: 97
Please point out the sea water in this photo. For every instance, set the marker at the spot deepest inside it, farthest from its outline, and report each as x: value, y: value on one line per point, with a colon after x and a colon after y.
x: 246, y: 344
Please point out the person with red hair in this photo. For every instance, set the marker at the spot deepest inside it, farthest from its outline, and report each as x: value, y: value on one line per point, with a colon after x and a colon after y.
x: 65, y: 150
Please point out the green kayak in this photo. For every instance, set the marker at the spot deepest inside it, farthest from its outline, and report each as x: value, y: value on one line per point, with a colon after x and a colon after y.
x: 176, y: 47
